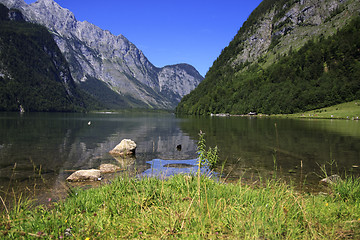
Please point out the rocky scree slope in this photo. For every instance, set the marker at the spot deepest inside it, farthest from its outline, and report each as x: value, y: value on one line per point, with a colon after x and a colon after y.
x: 99, y: 59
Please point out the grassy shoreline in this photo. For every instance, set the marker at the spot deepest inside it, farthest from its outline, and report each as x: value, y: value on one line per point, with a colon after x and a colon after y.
x: 190, y: 207
x: 349, y: 110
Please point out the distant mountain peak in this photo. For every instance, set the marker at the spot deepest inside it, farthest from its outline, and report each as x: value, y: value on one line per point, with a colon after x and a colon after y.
x: 52, y: 15
x: 94, y: 53
x: 47, y: 2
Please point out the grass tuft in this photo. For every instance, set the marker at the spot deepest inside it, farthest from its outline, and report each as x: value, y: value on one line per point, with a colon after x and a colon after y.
x: 347, y: 190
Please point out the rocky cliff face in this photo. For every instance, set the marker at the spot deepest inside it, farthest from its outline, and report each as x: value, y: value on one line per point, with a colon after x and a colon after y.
x: 290, y: 26
x: 94, y: 53
x: 179, y: 79
x: 34, y: 75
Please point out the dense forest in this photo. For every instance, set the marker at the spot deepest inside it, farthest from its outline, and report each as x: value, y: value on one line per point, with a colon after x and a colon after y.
x: 324, y: 72
x: 33, y: 72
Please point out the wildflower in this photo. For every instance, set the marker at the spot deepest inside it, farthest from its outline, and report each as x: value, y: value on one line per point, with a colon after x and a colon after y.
x: 87, y: 238
x: 327, y: 204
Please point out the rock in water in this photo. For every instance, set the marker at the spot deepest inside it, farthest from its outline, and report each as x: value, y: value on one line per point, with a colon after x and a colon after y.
x: 126, y: 147
x: 109, y: 168
x: 85, y: 175
x: 331, y: 179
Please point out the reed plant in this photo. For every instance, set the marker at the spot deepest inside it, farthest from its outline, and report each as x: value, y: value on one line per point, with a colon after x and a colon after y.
x: 347, y: 190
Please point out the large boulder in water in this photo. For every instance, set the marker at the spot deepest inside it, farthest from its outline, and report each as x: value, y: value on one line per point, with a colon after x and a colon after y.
x: 126, y: 147
x: 85, y: 175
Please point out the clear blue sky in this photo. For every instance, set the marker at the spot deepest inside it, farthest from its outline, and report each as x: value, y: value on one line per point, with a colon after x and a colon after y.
x: 169, y: 31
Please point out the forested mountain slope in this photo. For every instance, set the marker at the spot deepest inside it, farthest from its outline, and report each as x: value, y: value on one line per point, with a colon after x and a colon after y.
x: 33, y: 72
x: 289, y: 56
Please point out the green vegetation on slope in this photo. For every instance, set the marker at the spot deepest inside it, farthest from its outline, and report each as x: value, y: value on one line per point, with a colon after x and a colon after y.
x: 348, y: 110
x: 236, y: 46
x: 33, y: 72
x: 322, y: 73
x: 99, y: 90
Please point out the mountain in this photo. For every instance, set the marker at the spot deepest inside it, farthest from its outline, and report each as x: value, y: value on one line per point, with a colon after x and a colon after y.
x: 34, y: 75
x: 289, y: 56
x: 98, y: 58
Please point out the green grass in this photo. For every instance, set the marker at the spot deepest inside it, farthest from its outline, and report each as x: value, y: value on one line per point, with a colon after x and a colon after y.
x: 349, y: 110
x: 180, y: 208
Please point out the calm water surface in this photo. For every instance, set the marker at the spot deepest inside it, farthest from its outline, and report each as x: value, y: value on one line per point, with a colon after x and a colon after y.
x: 39, y: 150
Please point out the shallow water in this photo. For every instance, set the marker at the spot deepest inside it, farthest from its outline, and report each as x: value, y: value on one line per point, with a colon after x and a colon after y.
x: 39, y: 150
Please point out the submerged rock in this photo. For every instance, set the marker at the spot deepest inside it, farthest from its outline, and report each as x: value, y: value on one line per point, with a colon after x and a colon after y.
x: 125, y: 161
x: 85, y: 175
x: 109, y: 168
x: 178, y: 165
x: 126, y: 147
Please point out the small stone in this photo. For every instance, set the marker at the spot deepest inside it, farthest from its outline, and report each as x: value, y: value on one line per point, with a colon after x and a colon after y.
x: 331, y: 179
x: 68, y: 232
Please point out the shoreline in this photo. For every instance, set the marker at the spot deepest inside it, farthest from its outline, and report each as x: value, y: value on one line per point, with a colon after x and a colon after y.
x: 343, y: 111
x: 188, y: 207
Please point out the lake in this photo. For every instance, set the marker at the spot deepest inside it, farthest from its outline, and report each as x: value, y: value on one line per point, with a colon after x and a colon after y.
x: 38, y: 151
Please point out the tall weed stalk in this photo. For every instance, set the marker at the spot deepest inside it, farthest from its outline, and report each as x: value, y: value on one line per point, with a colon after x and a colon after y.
x: 206, y: 158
